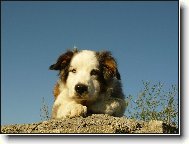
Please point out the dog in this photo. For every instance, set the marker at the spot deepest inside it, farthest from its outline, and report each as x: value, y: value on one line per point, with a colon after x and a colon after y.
x: 89, y: 83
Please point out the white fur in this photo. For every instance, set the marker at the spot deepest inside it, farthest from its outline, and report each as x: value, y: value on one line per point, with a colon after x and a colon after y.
x: 66, y: 107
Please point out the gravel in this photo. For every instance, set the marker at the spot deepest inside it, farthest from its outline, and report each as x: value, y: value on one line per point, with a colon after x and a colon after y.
x: 96, y: 123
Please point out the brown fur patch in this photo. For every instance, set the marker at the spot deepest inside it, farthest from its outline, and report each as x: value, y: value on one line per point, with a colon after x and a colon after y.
x: 54, y: 111
x: 111, y: 66
x: 108, y: 65
x: 56, y: 90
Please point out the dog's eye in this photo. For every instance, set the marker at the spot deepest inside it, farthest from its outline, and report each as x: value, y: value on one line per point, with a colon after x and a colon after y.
x: 94, y: 72
x: 73, y: 70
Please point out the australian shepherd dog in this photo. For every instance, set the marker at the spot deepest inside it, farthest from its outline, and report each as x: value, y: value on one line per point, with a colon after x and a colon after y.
x: 89, y: 83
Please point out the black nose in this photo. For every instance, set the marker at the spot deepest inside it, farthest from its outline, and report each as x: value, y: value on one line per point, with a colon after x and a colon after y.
x: 81, y: 88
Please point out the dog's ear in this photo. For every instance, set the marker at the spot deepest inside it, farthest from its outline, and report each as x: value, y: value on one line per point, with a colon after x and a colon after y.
x: 108, y: 65
x: 63, y: 61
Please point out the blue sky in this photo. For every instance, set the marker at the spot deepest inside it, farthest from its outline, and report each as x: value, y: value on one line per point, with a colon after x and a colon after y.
x: 142, y: 36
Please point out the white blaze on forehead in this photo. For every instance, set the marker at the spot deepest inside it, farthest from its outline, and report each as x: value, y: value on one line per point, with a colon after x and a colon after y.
x: 85, y: 59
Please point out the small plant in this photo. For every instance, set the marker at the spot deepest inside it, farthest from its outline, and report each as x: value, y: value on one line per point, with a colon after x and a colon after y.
x: 153, y: 103
x: 44, y: 111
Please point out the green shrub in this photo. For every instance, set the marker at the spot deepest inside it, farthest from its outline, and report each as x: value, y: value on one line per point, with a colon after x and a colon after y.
x: 44, y: 111
x: 154, y: 103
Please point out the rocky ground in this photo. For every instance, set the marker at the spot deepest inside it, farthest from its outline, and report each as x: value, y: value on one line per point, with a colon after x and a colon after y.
x: 96, y: 123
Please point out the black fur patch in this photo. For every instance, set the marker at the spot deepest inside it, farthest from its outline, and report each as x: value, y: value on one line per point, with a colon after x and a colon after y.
x: 63, y: 63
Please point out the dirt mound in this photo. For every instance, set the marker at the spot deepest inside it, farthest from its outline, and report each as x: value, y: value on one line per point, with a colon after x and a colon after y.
x: 96, y: 123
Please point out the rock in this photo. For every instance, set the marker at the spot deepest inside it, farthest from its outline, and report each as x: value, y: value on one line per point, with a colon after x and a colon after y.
x: 96, y: 123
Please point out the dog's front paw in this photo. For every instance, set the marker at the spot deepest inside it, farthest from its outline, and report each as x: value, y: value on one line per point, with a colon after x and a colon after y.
x: 76, y: 110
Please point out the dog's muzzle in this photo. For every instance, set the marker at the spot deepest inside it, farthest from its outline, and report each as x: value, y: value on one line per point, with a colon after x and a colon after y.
x: 81, y: 88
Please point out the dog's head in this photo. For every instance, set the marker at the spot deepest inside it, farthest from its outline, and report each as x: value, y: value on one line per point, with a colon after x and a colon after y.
x: 86, y: 73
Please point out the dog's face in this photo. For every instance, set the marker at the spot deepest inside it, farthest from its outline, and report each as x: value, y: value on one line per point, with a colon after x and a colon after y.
x: 86, y: 73
x: 82, y: 79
